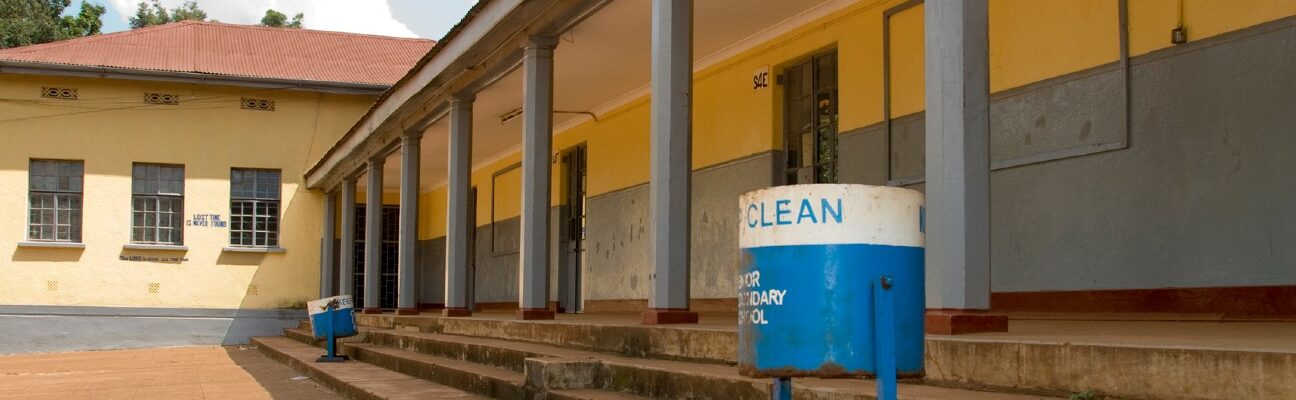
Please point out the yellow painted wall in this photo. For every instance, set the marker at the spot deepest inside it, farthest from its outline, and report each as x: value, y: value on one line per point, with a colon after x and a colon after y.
x: 110, y: 128
x: 908, y: 87
x: 1033, y: 40
x: 1030, y: 41
x: 1152, y: 20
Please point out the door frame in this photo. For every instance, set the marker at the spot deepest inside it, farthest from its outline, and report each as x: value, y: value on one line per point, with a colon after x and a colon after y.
x: 573, y: 227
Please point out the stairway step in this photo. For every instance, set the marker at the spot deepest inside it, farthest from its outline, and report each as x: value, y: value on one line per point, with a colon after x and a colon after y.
x: 591, y: 394
x: 354, y: 380
x: 475, y: 378
x: 301, y: 335
x: 499, y: 353
x: 651, y: 377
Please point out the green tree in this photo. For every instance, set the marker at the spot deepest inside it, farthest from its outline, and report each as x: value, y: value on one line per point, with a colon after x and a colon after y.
x: 28, y: 22
x: 87, y: 22
x: 280, y: 20
x: 188, y: 11
x: 153, y: 13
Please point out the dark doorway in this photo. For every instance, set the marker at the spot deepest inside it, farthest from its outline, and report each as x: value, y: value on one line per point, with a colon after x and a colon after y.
x: 810, y: 120
x: 389, y: 238
x: 572, y: 246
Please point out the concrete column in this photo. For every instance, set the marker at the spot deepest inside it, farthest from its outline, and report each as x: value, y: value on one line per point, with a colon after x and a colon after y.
x: 407, y: 252
x: 672, y: 161
x: 373, y: 238
x: 958, y: 168
x: 326, y: 245
x: 458, y: 184
x: 537, y: 146
x: 346, y: 244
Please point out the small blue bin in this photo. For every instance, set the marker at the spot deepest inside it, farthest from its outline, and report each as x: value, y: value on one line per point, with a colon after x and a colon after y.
x: 810, y: 257
x: 338, y: 321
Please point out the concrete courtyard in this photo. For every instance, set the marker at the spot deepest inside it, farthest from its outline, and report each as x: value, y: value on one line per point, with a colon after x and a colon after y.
x: 234, y: 372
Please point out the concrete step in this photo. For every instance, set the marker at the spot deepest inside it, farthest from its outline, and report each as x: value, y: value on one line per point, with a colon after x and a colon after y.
x: 357, y: 381
x: 1152, y: 360
x: 590, y: 394
x: 455, y: 363
x: 1144, y: 371
x: 558, y: 368
x: 475, y: 378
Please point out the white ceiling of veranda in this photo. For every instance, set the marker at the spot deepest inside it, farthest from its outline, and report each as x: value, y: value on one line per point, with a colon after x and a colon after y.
x: 599, y: 63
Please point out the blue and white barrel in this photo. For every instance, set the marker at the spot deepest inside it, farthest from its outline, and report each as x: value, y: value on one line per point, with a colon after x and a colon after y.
x: 340, y: 320
x: 810, y: 254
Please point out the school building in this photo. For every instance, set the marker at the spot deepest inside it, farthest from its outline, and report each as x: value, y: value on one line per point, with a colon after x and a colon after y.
x: 1090, y: 160
x: 154, y: 179
x: 1078, y: 157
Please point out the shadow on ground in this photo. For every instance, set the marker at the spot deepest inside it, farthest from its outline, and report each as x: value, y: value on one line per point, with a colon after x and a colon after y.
x: 279, y: 380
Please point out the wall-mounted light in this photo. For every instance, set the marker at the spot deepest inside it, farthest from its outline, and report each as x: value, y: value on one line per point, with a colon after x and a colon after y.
x: 512, y: 115
x: 509, y: 116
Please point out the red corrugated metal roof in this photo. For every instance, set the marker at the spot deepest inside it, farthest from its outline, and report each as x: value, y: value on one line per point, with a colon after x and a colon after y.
x: 240, y: 51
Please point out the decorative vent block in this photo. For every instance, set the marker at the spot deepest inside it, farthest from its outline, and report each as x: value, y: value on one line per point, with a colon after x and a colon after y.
x: 51, y: 286
x: 59, y: 93
x: 252, y: 290
x: 258, y: 104
x: 161, y: 98
x: 155, y: 288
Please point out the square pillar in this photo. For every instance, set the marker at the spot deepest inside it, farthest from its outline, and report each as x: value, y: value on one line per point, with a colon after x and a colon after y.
x: 458, y: 222
x: 407, y: 239
x: 326, y: 245
x: 373, y: 238
x: 537, y: 145
x: 346, y: 244
x: 672, y: 162
x: 958, y: 169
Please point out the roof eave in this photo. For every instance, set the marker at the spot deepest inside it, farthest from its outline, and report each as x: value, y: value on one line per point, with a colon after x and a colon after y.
x: 41, y: 68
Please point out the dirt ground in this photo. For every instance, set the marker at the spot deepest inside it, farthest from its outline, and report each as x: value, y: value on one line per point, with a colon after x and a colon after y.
x: 232, y: 372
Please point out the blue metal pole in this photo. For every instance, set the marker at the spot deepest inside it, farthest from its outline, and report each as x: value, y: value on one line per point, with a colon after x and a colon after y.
x: 884, y: 323
x: 782, y: 389
x: 332, y: 346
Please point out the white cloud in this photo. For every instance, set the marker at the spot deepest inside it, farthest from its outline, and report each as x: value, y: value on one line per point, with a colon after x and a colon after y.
x: 357, y: 16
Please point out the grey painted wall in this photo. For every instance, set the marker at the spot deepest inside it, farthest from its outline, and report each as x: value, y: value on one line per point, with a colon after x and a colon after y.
x: 43, y: 329
x: 496, y: 279
x: 431, y: 272
x: 619, y: 241
x: 619, y: 256
x: 1200, y: 198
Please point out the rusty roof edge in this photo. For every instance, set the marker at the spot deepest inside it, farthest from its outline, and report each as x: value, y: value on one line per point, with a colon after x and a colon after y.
x: 41, y: 68
x: 447, y: 40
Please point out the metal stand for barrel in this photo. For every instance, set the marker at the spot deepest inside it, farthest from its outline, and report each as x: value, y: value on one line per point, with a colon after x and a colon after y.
x: 331, y: 347
x: 884, y: 338
x: 884, y: 342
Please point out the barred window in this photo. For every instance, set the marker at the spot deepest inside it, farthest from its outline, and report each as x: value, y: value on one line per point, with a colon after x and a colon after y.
x: 254, y: 207
x: 810, y: 120
x: 157, y: 204
x: 54, y: 195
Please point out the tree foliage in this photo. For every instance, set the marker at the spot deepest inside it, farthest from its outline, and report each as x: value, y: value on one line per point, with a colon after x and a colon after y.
x: 28, y: 22
x: 280, y: 20
x: 153, y: 13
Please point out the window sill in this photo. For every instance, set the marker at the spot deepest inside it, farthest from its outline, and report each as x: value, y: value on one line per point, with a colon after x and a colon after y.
x: 158, y: 247
x: 57, y: 245
x: 236, y: 249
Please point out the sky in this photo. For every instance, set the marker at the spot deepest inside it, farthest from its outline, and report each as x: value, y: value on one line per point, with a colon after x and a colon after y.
x: 429, y: 19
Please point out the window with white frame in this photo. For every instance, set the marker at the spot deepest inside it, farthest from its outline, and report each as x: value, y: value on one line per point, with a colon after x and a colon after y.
x: 157, y: 204
x: 54, y: 199
x: 254, y: 207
